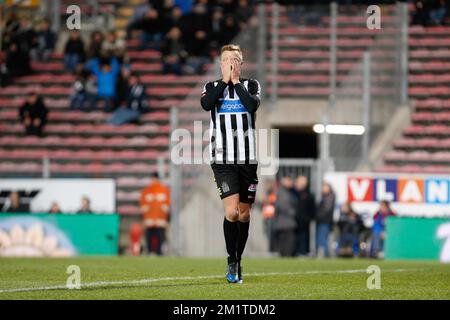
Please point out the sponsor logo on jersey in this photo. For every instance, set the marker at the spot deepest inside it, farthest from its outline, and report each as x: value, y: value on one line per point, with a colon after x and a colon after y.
x: 231, y: 106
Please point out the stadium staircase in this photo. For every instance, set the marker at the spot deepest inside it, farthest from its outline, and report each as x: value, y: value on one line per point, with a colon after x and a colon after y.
x: 304, y: 72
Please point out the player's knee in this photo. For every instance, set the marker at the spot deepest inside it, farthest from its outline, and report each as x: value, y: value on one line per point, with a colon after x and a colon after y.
x: 244, y: 215
x: 232, y: 214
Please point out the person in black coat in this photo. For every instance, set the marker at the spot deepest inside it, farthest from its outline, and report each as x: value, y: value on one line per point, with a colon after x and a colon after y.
x: 350, y: 225
x: 17, y: 61
x: 230, y: 29
x: 136, y: 104
x: 46, y: 40
x: 305, y: 213
x: 324, y: 219
x: 25, y: 38
x: 15, y: 205
x: 74, y: 51
x: 153, y: 27
x: 33, y: 115
x: 174, y: 54
x: 284, y: 224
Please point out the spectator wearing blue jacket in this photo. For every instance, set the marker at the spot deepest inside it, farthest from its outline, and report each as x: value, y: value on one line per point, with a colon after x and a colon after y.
x: 185, y: 5
x: 107, y: 73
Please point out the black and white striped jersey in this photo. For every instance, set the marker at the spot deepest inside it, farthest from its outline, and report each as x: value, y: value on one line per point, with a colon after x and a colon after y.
x: 233, y: 114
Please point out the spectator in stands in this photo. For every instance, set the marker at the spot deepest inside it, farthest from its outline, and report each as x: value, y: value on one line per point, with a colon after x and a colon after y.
x: 438, y: 11
x: 107, y: 73
x: 174, y: 54
x: 55, y: 208
x: 4, y: 76
x: 33, y: 115
x: 16, y: 205
x: 421, y: 14
x: 229, y: 6
x: 46, y: 40
x: 230, y: 29
x: 216, y: 28
x: 206, y: 26
x: 114, y: 46
x: 304, y: 214
x: 85, y: 205
x: 165, y: 8
x: 294, y: 13
x: 198, y: 53
x: 184, y: 5
x: 84, y: 92
x: 176, y: 18
x: 158, y: 5
x: 284, y: 223
x: 17, y: 61
x: 324, y: 220
x: 350, y: 226
x: 122, y: 87
x: 74, y: 51
x: 378, y: 229
x: 152, y: 29
x: 243, y: 13
x: 25, y: 37
x: 155, y: 206
x: 95, y: 45
x: 137, y: 98
x: 140, y: 10
x: 198, y: 19
x: 11, y: 26
x: 137, y: 103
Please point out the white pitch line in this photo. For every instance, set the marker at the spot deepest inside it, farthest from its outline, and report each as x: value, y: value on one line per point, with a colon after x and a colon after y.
x: 152, y: 280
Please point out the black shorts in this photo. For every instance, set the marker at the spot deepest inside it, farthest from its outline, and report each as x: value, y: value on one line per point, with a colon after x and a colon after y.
x: 236, y: 178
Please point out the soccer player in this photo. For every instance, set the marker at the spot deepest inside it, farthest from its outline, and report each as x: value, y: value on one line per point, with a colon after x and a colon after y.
x: 232, y: 102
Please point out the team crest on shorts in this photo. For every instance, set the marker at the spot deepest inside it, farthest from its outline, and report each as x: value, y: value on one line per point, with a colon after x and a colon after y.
x: 252, y: 188
x: 225, y: 187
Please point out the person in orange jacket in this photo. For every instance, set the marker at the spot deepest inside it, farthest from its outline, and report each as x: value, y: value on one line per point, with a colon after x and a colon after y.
x: 155, y: 205
x: 268, y: 211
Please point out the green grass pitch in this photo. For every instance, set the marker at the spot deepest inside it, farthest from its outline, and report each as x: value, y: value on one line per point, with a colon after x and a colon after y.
x: 190, y: 278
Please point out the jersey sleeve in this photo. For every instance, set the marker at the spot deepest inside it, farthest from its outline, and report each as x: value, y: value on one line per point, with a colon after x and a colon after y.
x: 211, y: 94
x: 250, y: 98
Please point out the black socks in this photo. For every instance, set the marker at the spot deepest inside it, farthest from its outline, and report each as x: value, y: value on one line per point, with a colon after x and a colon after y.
x: 230, y: 229
x: 242, y: 238
x: 236, y: 235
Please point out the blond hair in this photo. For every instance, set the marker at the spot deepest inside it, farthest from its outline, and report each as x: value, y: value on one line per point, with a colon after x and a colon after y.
x: 233, y: 48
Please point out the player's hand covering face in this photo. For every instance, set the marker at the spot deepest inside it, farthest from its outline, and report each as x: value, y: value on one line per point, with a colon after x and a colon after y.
x: 230, y: 66
x: 235, y: 71
x: 225, y: 67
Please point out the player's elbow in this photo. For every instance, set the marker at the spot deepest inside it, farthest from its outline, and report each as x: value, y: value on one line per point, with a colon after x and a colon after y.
x: 206, y: 105
x: 252, y: 105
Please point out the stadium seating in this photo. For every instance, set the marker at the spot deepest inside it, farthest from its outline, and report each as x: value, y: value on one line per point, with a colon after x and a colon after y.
x: 81, y: 144
x: 304, y: 58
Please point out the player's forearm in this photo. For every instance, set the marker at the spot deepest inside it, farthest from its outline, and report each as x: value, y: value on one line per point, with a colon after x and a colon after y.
x: 209, y: 99
x: 250, y: 102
